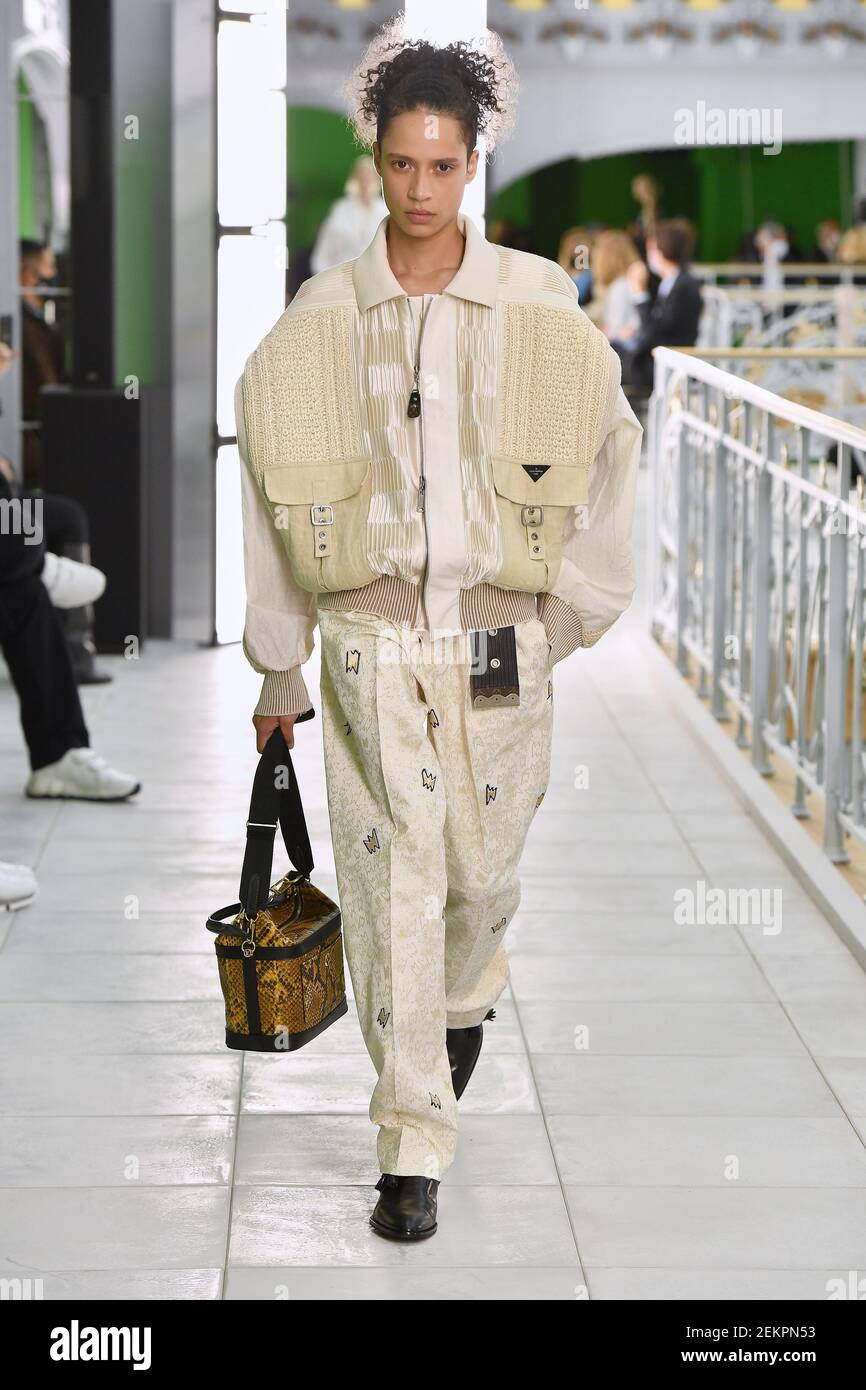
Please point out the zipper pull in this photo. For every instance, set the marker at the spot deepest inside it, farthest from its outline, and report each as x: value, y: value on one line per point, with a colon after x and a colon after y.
x: 422, y: 486
x: 415, y: 399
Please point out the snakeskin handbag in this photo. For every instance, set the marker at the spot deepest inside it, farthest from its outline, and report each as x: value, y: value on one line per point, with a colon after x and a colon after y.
x: 280, y: 959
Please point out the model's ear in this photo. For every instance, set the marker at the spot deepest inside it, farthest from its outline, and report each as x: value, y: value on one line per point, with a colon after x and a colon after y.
x: 472, y: 165
x: 377, y: 152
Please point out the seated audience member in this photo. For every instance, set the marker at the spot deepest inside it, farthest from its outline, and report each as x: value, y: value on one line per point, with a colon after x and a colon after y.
x: 43, y: 350
x: 852, y: 250
x: 776, y: 247
x: 43, y: 353
x: 828, y: 234
x: 612, y: 254
x: 670, y: 316
x: 691, y: 231
x: 31, y: 639
x: 34, y: 583
x: 575, y: 257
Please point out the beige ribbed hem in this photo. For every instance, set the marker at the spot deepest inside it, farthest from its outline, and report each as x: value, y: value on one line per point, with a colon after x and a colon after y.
x: 563, y: 626
x: 283, y: 692
x: 483, y: 606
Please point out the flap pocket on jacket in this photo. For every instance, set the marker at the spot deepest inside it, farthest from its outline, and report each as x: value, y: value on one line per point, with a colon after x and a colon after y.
x: 319, y: 482
x: 559, y: 485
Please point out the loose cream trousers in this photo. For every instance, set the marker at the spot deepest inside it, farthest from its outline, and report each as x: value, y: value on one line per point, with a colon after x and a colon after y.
x: 430, y: 801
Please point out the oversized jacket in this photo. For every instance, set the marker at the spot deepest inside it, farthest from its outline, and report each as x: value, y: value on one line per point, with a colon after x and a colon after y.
x: 511, y: 496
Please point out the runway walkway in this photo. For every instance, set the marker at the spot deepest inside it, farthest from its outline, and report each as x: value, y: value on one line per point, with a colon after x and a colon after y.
x: 661, y: 1110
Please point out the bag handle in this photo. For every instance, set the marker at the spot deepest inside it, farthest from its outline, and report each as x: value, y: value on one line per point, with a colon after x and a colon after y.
x: 270, y: 806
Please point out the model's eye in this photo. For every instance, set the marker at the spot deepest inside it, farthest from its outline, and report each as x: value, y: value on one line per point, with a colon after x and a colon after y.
x: 445, y: 168
x: 395, y: 162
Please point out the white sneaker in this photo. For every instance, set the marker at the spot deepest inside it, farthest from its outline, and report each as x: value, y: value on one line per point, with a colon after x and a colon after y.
x: 18, y: 886
x: 82, y: 774
x: 70, y: 583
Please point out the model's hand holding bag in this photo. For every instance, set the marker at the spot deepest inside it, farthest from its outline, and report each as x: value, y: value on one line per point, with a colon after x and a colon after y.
x: 281, y: 957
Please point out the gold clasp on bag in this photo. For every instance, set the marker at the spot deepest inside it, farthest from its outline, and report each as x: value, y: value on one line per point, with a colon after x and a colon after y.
x: 248, y: 945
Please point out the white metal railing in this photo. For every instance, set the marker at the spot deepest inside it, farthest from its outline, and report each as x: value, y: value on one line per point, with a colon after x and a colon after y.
x: 803, y: 317
x: 827, y: 379
x: 758, y: 573
x: 712, y: 273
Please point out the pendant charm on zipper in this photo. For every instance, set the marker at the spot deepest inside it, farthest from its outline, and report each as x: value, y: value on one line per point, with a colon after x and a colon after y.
x: 414, y: 400
x: 414, y: 409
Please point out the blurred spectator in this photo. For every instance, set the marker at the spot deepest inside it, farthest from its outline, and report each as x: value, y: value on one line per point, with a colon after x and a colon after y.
x: 852, y: 250
x: 612, y: 254
x: 32, y: 581
x: 66, y: 525
x: 670, y: 316
x: 43, y: 356
x: 520, y: 238
x: 32, y: 641
x: 352, y: 222
x: 575, y: 256
x: 828, y: 234
x: 852, y: 246
x: 502, y: 232
x: 776, y: 247
x: 646, y: 191
x: 773, y: 247
x: 691, y: 231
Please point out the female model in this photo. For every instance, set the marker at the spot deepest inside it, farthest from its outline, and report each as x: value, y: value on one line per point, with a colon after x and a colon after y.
x: 438, y: 469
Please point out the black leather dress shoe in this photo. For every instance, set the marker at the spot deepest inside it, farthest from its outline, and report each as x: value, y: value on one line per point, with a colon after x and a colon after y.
x: 464, y: 1046
x: 406, y: 1209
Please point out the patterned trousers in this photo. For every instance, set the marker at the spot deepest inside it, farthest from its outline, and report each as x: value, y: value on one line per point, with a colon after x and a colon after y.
x: 430, y: 800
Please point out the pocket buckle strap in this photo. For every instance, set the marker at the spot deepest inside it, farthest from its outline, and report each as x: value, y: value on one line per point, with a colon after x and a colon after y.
x: 321, y: 515
x: 532, y: 517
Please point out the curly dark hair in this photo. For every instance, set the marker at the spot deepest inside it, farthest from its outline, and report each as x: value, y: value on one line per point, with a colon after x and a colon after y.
x: 475, y: 84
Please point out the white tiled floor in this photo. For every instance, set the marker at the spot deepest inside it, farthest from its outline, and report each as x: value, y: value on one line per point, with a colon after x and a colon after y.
x: 660, y: 1111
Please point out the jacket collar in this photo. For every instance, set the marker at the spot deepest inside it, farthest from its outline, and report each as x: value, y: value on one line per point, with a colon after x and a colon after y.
x: 476, y: 279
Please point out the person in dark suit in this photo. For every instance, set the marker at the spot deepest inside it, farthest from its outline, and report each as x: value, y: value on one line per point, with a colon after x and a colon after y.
x: 669, y: 315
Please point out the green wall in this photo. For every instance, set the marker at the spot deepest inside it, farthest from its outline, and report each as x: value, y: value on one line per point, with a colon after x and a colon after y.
x: 726, y: 190
x: 26, y: 220
x: 321, y: 151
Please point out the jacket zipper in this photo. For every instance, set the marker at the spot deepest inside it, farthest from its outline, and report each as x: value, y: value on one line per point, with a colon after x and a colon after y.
x: 421, y: 505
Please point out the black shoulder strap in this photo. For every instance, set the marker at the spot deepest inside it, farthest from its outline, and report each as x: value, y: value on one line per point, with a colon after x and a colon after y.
x: 271, y: 805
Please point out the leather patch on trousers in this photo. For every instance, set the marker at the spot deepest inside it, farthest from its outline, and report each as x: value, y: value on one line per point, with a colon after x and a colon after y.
x: 493, y: 676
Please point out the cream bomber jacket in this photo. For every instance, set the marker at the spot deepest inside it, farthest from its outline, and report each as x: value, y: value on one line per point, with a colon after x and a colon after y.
x: 510, y: 496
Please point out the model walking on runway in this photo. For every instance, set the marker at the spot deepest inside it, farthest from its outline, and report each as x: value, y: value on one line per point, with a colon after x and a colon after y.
x: 438, y: 469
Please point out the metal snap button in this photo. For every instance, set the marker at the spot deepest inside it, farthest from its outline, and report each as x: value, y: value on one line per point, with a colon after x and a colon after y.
x: 495, y: 662
x: 492, y: 631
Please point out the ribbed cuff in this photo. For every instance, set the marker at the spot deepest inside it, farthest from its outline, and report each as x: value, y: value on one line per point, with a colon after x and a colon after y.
x: 563, y: 626
x: 283, y: 692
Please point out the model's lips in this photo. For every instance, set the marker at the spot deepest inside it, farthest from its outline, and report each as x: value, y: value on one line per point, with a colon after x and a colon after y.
x: 419, y: 216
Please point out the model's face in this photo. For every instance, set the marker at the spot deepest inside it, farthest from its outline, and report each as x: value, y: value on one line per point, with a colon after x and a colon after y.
x: 424, y: 168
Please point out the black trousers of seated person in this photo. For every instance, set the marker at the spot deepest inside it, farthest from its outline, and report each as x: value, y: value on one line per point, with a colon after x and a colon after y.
x: 35, y: 649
